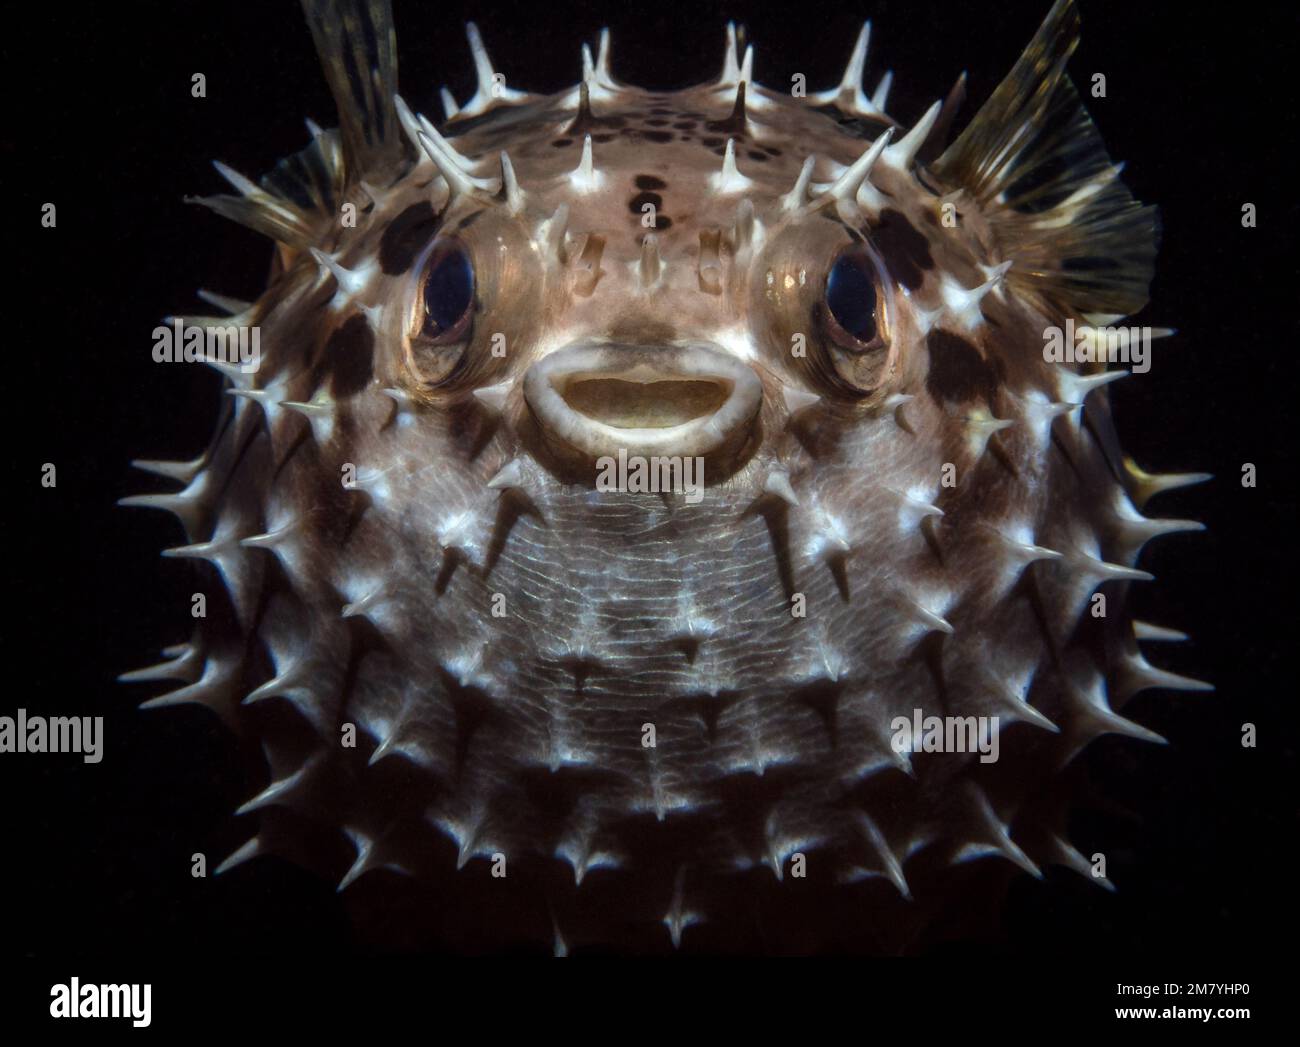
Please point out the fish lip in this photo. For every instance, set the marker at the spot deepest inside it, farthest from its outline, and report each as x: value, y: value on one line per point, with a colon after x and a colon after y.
x: 545, y: 381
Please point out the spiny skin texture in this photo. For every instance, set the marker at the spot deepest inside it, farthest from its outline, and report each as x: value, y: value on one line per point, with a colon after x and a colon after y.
x: 412, y: 541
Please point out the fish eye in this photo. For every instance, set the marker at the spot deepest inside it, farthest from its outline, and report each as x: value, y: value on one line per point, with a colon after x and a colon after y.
x: 448, y: 293
x: 852, y: 299
x: 855, y: 319
x: 442, y: 313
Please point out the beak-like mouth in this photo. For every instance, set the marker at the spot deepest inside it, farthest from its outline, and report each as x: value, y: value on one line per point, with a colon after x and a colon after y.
x: 671, y: 401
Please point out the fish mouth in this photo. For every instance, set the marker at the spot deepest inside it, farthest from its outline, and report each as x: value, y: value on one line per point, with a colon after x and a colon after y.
x: 598, y: 400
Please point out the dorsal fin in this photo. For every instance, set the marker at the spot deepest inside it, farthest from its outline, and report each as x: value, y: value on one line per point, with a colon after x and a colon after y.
x: 310, y: 178
x: 1035, y: 162
x: 357, y: 45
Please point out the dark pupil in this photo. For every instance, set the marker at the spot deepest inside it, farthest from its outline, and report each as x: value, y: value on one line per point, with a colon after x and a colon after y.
x: 851, y: 298
x: 448, y: 290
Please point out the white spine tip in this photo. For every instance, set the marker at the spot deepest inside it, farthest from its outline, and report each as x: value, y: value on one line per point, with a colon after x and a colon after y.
x: 242, y: 184
x: 797, y: 400
x: 449, y: 105
x: 350, y: 283
x: 585, y: 177
x: 510, y: 475
x: 650, y: 267
x: 729, y: 179
x: 797, y: 197
x: 493, y: 396
x: 901, y: 155
x: 778, y: 484
x: 514, y: 195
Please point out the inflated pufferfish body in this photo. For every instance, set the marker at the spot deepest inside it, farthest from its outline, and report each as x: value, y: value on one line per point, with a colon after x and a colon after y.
x: 639, y: 716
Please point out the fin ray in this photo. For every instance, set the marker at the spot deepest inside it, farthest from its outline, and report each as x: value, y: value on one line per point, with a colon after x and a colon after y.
x: 357, y: 44
x: 1034, y: 160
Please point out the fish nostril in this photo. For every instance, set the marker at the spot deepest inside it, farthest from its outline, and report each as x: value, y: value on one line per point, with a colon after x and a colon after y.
x: 658, y: 404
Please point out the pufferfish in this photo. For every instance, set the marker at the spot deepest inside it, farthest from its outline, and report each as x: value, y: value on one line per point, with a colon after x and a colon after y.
x: 613, y: 715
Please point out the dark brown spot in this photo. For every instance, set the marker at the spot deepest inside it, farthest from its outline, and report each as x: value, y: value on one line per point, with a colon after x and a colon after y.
x: 605, y: 137
x: 350, y: 358
x: 755, y: 155
x: 660, y: 111
x: 560, y: 143
x: 686, y: 125
x: 659, y: 136
x: 771, y: 150
x: 650, y: 182
x: 957, y: 371
x: 711, y: 142
x: 905, y: 251
x: 662, y: 221
x: 657, y: 121
x: 405, y: 237
x: 641, y: 199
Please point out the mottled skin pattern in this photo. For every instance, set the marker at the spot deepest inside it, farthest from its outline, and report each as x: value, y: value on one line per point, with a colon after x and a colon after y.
x: 521, y: 733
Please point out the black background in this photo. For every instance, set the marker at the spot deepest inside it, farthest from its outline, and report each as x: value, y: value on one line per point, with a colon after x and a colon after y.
x: 97, y: 858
